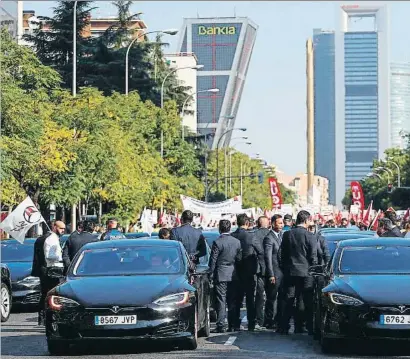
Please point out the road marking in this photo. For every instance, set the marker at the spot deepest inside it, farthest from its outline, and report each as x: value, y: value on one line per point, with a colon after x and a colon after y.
x: 230, y: 341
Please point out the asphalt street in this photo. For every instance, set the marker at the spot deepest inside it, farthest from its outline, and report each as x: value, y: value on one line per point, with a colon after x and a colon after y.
x: 22, y: 338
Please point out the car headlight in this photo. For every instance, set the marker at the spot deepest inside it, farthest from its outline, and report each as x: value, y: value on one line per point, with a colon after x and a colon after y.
x: 174, y: 299
x: 341, y: 299
x: 57, y: 303
x: 30, y: 281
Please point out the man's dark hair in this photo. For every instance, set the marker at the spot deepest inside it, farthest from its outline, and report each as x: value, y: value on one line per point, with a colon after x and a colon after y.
x: 352, y: 222
x: 344, y: 219
x: 274, y: 218
x: 242, y: 219
x: 224, y: 226
x: 302, y: 217
x: 260, y: 220
x: 88, y: 226
x: 387, y: 224
x: 80, y: 225
x: 187, y: 216
x: 287, y: 217
x: 163, y: 233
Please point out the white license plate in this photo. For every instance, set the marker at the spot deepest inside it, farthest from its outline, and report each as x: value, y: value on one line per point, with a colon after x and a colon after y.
x: 395, y: 319
x: 115, y: 319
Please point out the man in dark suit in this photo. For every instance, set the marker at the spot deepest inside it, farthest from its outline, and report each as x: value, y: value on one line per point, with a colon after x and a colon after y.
x: 298, y: 253
x: 271, y: 245
x: 76, y: 241
x: 225, y: 255
x: 389, y: 228
x: 259, y: 234
x: 247, y: 270
x: 192, y: 238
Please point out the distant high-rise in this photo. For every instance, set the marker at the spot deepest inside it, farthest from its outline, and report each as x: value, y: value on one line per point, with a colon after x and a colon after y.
x: 11, y: 17
x: 362, y: 92
x: 224, y: 46
x: 324, y: 105
x: 399, y: 103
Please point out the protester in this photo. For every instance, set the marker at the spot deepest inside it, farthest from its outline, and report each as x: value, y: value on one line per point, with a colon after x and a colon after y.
x: 353, y: 224
x: 47, y: 263
x: 192, y: 238
x: 288, y: 222
x: 225, y: 255
x: 392, y: 228
x: 112, y: 231
x: 407, y: 230
x: 343, y: 223
x: 76, y: 241
x: 298, y: 253
x: 388, y: 229
x: 273, y: 285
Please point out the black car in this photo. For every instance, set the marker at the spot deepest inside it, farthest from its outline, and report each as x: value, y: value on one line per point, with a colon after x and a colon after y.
x: 19, y: 259
x: 366, y: 293
x: 6, y: 296
x: 129, y: 289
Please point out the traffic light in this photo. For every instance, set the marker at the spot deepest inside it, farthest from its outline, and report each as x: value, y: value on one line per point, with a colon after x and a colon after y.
x: 260, y: 177
x: 389, y: 188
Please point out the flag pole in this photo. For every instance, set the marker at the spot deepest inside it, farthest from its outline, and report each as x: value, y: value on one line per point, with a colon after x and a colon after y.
x: 374, y: 220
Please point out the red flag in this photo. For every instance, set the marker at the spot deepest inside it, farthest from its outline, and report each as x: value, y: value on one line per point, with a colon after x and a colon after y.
x: 275, y: 193
x: 366, y: 218
x: 375, y: 223
x: 406, y: 216
x: 357, y: 194
x: 390, y: 209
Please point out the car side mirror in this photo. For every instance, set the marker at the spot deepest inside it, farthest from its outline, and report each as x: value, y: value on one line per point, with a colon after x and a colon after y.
x: 317, y: 270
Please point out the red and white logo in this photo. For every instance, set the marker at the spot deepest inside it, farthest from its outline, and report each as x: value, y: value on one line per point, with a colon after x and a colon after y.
x: 31, y: 214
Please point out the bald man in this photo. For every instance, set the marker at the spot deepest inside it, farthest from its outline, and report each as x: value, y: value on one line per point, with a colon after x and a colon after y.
x: 48, y: 262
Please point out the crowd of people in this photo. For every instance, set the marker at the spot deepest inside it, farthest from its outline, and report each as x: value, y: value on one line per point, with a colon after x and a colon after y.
x: 267, y: 260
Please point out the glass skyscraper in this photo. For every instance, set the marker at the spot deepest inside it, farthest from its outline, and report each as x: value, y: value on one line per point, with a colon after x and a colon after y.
x: 224, y: 46
x: 324, y: 105
x: 399, y: 103
x: 362, y: 94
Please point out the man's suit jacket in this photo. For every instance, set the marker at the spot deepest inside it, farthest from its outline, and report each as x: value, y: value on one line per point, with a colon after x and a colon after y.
x: 259, y: 236
x: 298, y: 252
x: 248, y: 266
x: 225, y: 255
x: 74, y: 243
x: 39, y: 261
x: 394, y: 232
x: 272, y: 249
x: 192, y: 239
x: 323, y: 254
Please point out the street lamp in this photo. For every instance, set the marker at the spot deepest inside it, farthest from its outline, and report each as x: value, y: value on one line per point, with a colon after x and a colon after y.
x: 196, y: 67
x: 385, y: 170
x: 213, y: 90
x: 372, y: 174
x: 230, y: 163
x: 217, y: 153
x: 167, y: 32
x: 398, y: 172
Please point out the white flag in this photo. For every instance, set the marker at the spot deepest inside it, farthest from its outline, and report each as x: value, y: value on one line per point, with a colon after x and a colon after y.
x: 146, y: 221
x: 21, y: 220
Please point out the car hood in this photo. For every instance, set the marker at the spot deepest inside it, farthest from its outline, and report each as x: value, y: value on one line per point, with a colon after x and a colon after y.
x: 376, y: 289
x: 19, y: 270
x: 122, y: 290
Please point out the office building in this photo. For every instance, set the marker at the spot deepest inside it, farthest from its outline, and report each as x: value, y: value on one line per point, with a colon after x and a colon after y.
x: 187, y: 77
x: 11, y: 17
x: 362, y: 92
x: 324, y: 108
x: 224, y: 46
x: 95, y: 28
x: 399, y: 104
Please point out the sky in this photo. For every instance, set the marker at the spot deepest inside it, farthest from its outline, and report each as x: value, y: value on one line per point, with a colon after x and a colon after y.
x: 273, y: 104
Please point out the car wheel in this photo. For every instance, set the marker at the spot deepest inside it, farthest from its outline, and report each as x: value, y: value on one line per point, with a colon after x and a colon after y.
x: 58, y: 347
x: 192, y: 342
x: 206, y: 330
x: 328, y: 345
x: 5, y: 303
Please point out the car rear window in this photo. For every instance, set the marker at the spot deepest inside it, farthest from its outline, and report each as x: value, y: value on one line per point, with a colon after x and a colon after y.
x: 129, y: 261
x: 375, y: 260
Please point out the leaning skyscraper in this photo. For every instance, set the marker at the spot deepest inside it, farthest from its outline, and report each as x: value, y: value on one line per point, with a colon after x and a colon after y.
x: 224, y: 47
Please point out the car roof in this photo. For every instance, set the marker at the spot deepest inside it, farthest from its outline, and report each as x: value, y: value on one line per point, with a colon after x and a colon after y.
x: 379, y: 241
x: 343, y: 236
x: 14, y: 241
x: 120, y: 243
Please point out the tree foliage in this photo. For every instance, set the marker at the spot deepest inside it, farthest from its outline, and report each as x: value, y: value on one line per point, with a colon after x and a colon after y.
x: 376, y: 189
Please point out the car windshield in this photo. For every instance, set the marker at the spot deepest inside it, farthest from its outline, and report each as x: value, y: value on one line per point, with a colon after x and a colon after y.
x: 16, y: 252
x: 129, y: 261
x: 375, y: 260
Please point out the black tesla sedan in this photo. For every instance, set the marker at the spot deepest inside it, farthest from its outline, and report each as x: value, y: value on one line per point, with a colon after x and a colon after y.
x: 129, y: 289
x: 366, y: 293
x: 6, y: 295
